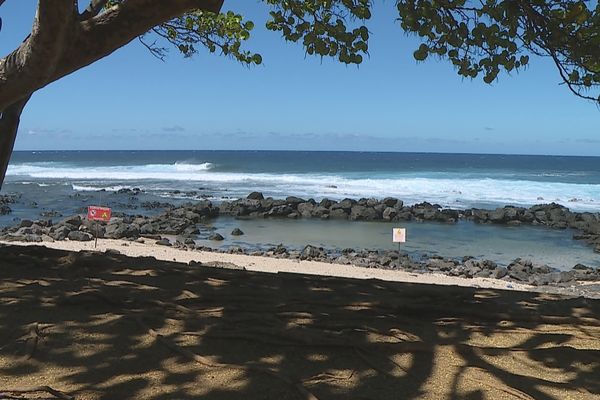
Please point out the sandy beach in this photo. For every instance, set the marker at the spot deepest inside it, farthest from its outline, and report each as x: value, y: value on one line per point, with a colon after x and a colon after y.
x: 276, y: 265
x: 98, y: 325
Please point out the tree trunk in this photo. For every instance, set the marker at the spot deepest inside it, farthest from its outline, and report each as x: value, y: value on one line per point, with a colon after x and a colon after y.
x: 9, y: 125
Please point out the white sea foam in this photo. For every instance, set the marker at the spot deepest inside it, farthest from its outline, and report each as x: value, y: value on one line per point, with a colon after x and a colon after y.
x: 456, y: 192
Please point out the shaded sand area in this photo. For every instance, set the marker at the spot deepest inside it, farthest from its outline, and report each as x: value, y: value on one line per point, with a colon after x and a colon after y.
x: 108, y: 326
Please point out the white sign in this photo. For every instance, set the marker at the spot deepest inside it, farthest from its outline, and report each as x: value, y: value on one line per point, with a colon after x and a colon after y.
x: 399, y: 235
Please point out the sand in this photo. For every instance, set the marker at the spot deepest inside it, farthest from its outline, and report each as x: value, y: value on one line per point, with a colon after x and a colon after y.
x: 275, y: 265
x: 105, y: 326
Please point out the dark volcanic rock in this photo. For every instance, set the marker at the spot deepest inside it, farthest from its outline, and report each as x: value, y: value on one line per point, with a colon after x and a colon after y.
x: 305, y: 209
x: 255, y: 196
x: 73, y: 220
x: 360, y: 213
x: 294, y: 201
x: 310, y: 252
x: 60, y: 233
x: 120, y: 230
x: 216, y: 236
x: 80, y: 236
x: 279, y: 250
x: 345, y: 204
x: 520, y: 270
x: 237, y: 232
x: 338, y: 213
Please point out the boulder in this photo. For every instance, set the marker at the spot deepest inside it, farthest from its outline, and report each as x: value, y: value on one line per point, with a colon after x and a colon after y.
x: 338, y: 213
x: 294, y: 201
x: 80, y: 236
x: 73, y: 220
x: 320, y: 211
x: 520, y: 270
x: 499, y: 273
x: 163, y: 242
x: 279, y: 250
x: 60, y: 233
x: 280, y: 211
x: 390, y: 201
x: 216, y: 236
x: 255, y: 196
x: 26, y: 223
x: 305, y: 209
x: 121, y: 230
x: 363, y: 213
x: 326, y: 203
x: 310, y: 252
x: 345, y: 204
x: 237, y: 232
x: 389, y: 213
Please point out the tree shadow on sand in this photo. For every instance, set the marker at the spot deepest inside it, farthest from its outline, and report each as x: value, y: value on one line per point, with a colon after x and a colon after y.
x: 105, y: 326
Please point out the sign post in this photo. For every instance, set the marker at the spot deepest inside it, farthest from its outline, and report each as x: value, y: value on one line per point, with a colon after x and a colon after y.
x: 399, y: 236
x: 96, y: 213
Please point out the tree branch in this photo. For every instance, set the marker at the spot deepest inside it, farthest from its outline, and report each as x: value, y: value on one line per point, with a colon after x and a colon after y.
x: 87, y: 41
x: 35, y: 61
x: 92, y: 9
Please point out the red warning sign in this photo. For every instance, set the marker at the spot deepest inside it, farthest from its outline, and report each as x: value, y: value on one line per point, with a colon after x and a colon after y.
x: 99, y: 213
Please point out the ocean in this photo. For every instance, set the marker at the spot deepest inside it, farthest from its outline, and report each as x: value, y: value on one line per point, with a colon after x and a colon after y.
x: 65, y: 182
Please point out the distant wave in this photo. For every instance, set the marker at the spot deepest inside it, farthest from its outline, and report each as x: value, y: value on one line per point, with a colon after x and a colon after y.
x: 184, y: 171
x: 457, y: 192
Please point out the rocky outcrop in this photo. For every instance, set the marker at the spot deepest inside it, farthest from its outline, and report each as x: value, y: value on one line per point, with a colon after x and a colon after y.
x: 388, y: 209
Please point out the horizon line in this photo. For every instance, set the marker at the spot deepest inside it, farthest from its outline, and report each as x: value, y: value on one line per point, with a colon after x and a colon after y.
x: 309, y: 151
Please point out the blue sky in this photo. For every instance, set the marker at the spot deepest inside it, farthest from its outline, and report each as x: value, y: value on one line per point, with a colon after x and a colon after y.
x: 130, y: 100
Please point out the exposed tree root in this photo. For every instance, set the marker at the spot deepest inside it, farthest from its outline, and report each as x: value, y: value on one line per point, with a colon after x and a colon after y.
x: 13, y: 393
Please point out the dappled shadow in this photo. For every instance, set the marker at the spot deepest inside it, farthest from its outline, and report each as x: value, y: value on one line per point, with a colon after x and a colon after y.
x: 110, y: 327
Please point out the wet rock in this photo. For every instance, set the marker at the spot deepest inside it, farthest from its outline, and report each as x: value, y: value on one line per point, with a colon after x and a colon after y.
x: 216, y: 236
x: 363, y: 213
x: 255, y: 196
x: 581, y: 267
x: 237, y: 232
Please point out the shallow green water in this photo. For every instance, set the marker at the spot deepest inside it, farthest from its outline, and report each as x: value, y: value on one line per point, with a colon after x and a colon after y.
x: 499, y: 243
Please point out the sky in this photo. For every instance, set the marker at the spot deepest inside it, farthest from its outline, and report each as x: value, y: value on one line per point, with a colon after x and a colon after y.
x: 130, y: 100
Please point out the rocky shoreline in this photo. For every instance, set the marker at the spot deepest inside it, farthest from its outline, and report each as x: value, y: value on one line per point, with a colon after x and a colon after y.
x: 179, y: 226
